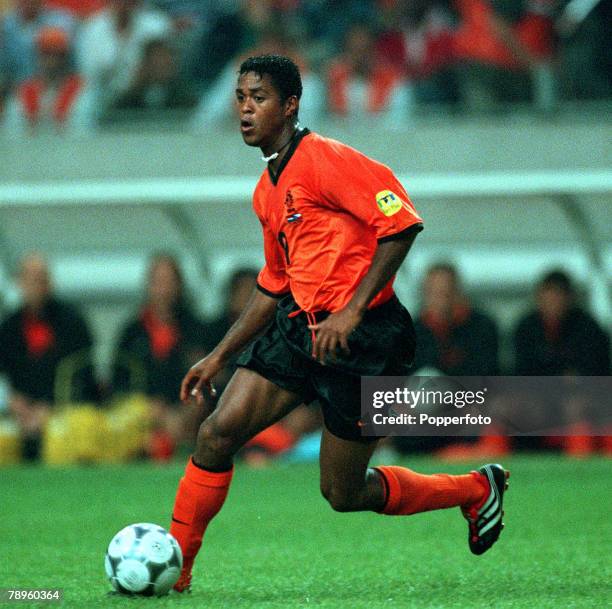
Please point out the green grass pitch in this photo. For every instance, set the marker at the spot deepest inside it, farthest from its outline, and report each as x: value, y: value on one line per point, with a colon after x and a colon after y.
x: 276, y: 544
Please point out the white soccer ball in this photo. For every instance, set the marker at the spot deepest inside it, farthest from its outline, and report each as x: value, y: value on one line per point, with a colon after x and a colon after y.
x: 143, y: 559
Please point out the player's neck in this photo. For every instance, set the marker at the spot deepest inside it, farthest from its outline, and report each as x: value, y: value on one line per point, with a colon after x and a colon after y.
x: 274, y: 154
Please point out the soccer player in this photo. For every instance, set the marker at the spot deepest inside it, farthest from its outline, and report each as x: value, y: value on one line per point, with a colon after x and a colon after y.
x: 336, y: 225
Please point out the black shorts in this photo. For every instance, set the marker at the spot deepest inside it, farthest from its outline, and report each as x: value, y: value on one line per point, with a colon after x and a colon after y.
x: 382, y: 344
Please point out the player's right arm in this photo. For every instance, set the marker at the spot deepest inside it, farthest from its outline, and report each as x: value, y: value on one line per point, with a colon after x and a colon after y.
x: 272, y: 284
x: 256, y: 316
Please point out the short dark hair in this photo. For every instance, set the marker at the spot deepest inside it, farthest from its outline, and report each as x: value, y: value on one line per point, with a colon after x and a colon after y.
x: 558, y: 279
x: 284, y: 73
x: 443, y: 266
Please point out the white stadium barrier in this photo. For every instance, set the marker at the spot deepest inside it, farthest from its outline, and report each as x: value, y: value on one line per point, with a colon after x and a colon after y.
x: 224, y: 188
x: 502, y: 229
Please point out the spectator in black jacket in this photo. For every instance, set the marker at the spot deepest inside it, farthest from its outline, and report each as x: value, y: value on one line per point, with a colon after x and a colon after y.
x: 155, y: 349
x: 45, y: 353
x: 559, y: 337
x: 452, y: 336
x: 455, y: 339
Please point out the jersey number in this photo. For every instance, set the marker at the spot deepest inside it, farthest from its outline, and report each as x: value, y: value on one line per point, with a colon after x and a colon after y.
x: 282, y: 239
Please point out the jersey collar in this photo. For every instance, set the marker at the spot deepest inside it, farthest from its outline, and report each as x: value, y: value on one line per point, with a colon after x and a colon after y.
x: 297, y: 138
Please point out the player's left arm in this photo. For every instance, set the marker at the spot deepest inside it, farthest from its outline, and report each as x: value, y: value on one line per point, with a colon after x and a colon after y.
x: 370, y: 192
x: 333, y: 332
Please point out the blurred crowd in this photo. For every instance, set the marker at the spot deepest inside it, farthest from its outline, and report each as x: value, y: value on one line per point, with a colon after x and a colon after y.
x: 47, y: 358
x: 556, y: 336
x: 71, y: 65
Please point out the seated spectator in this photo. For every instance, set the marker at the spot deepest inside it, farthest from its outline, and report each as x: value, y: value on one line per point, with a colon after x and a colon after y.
x: 237, y: 27
x: 19, y: 30
x: 192, y: 22
x: 112, y: 46
x: 162, y: 342
x: 43, y: 336
x: 456, y: 339
x: 418, y: 41
x: 452, y: 336
x: 157, y: 83
x: 504, y: 49
x: 55, y: 99
x: 328, y: 21
x: 560, y: 338
x: 360, y: 84
x: 217, y: 103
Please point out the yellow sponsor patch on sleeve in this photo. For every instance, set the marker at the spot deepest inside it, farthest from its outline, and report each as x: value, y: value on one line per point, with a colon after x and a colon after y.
x: 388, y: 202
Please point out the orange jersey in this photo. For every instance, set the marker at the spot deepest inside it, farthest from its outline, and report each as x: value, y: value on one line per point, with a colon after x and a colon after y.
x: 323, y: 216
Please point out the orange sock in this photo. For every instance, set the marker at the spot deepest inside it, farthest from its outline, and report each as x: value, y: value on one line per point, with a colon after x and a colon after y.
x: 411, y: 493
x: 200, y: 496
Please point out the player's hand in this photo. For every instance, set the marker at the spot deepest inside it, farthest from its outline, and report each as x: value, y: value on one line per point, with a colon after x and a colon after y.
x: 333, y: 332
x: 200, y: 377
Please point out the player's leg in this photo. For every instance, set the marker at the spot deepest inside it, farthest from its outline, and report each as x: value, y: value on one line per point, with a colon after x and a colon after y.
x: 249, y: 404
x: 479, y: 494
x: 347, y: 482
x: 350, y: 485
x: 345, y: 478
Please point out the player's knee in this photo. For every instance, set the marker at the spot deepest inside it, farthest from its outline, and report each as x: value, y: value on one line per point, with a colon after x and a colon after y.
x: 339, y: 499
x: 214, y: 440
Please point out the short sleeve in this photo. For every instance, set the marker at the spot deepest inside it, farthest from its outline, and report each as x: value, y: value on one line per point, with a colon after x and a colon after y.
x: 272, y: 279
x: 367, y: 190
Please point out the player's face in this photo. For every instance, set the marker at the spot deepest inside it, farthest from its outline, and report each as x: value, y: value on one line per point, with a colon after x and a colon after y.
x: 262, y: 114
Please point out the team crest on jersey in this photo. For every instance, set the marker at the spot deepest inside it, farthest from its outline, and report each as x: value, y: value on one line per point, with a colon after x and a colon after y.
x: 292, y: 214
x: 388, y: 202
